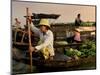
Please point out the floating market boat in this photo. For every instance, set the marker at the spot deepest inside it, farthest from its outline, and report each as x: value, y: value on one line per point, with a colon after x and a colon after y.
x: 20, y: 41
x: 60, y: 60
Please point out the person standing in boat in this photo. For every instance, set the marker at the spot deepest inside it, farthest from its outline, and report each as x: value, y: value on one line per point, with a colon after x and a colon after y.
x: 78, y: 20
x: 77, y: 36
x: 45, y: 45
x: 17, y: 23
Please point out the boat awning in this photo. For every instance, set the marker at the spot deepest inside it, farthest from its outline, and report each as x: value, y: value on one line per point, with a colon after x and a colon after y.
x: 42, y: 15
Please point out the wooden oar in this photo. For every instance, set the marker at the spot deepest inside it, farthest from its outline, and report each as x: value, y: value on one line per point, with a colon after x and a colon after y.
x: 29, y: 32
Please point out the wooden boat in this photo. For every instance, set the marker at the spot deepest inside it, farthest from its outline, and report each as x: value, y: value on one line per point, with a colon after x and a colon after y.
x: 60, y: 60
x: 67, y: 62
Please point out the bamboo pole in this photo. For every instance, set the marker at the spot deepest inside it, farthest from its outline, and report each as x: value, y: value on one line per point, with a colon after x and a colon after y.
x: 29, y: 35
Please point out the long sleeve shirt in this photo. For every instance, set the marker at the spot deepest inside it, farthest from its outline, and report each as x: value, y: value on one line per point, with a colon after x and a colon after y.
x: 45, y: 40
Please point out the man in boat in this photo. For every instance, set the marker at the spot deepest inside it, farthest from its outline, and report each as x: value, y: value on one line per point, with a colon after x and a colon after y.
x: 45, y: 45
x: 78, y: 20
x: 17, y: 23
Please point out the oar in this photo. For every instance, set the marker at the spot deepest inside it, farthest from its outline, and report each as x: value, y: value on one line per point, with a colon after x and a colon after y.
x: 29, y: 35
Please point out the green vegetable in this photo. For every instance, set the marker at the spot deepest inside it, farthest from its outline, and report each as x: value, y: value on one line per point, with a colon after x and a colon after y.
x: 87, y: 23
x: 88, y: 48
x: 72, y: 52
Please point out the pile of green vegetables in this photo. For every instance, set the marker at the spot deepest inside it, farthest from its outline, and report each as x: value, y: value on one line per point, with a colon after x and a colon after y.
x: 88, y: 48
x: 88, y: 24
x: 72, y: 52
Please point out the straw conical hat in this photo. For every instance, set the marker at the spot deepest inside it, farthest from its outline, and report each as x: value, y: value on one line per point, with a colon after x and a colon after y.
x: 44, y: 22
x: 78, y: 30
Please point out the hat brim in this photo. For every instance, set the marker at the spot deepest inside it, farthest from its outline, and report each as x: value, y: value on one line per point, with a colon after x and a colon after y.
x: 44, y: 25
x: 77, y: 30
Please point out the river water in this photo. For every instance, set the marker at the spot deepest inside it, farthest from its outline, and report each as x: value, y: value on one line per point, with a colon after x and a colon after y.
x: 20, y: 68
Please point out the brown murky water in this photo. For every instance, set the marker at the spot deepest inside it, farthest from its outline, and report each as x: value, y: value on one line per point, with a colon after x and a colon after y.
x: 20, y: 68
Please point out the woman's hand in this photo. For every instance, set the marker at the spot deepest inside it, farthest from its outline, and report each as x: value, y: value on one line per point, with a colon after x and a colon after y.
x: 32, y: 49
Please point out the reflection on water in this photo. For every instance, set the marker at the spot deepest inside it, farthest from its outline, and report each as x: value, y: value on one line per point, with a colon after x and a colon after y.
x: 19, y: 67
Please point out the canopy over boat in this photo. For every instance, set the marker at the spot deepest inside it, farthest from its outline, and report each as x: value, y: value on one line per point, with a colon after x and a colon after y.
x: 42, y: 15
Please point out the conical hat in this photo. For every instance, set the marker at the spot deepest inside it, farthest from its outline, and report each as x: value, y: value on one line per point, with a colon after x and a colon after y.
x: 44, y: 22
x: 78, y: 30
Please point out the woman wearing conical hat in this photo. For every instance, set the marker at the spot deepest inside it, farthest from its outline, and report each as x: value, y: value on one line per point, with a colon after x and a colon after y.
x: 45, y: 44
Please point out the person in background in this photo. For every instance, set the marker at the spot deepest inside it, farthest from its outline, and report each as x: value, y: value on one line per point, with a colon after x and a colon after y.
x: 77, y: 36
x: 78, y: 20
x: 70, y: 36
x: 17, y: 23
x: 45, y: 45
